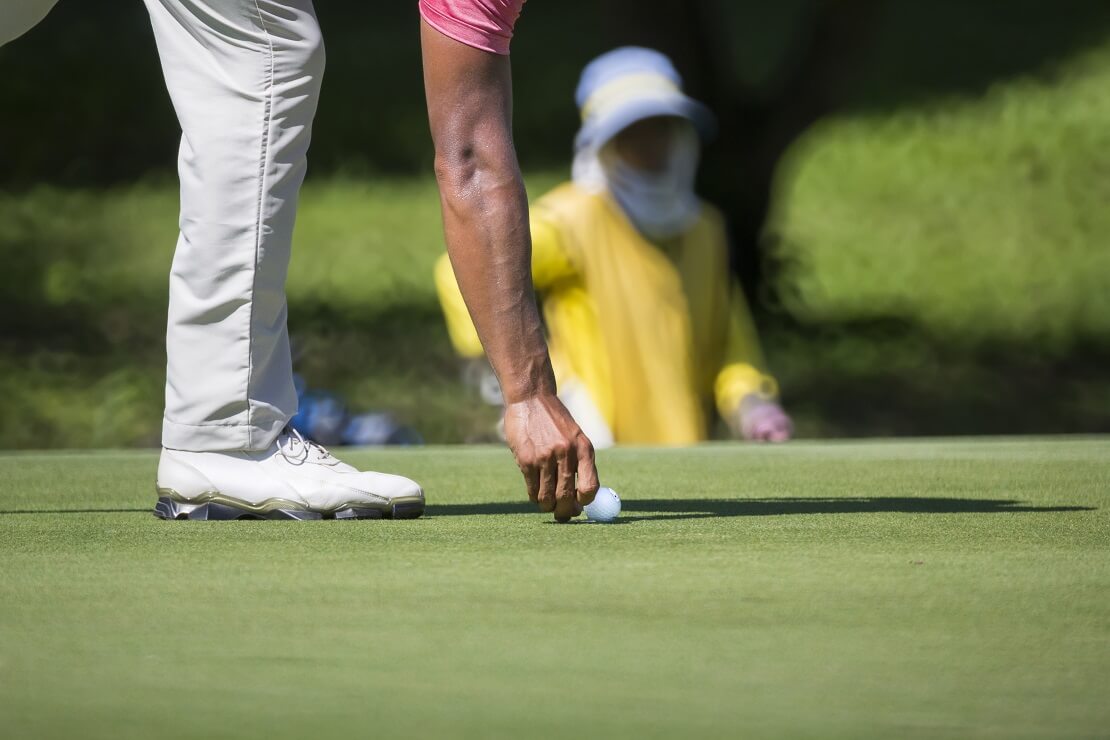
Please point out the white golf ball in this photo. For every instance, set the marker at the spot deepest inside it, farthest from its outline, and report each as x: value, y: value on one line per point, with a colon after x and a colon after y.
x: 605, y: 507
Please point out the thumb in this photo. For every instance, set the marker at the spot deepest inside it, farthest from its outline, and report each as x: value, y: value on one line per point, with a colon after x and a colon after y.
x: 587, y: 471
x: 782, y: 429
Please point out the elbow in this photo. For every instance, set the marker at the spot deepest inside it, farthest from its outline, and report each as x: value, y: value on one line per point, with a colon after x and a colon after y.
x: 457, y: 167
x: 467, y: 167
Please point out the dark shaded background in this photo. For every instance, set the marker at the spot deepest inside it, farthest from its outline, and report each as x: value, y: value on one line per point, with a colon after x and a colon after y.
x: 769, y: 71
x: 88, y: 109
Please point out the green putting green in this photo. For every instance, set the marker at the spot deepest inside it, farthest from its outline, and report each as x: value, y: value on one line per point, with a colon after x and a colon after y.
x: 932, y: 588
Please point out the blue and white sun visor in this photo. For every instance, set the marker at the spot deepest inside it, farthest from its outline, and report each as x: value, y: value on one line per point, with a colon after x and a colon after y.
x: 630, y: 84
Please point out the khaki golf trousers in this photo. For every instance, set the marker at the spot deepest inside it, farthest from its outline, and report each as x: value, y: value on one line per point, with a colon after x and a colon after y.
x: 244, y: 77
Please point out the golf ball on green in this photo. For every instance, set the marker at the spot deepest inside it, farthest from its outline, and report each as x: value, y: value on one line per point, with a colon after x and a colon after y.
x: 605, y: 507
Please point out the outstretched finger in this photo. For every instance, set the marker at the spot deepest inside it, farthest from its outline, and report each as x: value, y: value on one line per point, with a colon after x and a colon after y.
x: 588, y: 482
x: 532, y: 481
x: 549, y: 476
x: 566, y: 505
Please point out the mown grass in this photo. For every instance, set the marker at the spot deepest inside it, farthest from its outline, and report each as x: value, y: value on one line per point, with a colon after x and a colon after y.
x: 948, y: 270
x: 874, y: 589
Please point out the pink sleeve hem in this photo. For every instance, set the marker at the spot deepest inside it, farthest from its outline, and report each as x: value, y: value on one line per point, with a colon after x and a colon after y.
x: 463, y: 33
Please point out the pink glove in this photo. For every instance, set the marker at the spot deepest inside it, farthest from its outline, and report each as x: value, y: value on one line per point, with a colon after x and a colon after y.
x: 765, y: 421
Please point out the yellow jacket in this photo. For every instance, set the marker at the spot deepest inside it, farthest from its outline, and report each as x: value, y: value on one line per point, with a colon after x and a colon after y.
x: 655, y: 333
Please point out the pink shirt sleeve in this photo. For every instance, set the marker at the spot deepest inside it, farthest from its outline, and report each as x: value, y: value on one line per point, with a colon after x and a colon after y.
x: 483, y: 24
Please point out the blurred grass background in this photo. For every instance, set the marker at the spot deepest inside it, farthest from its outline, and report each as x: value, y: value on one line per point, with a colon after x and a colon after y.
x: 943, y: 249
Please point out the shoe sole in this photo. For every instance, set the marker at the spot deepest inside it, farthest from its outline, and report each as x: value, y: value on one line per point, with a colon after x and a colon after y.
x: 170, y: 508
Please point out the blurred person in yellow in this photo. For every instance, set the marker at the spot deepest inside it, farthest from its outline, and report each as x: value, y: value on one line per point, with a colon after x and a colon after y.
x: 648, y: 331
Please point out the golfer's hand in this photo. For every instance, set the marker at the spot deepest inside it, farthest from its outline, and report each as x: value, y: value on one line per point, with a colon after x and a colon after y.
x: 764, y: 421
x: 556, y: 458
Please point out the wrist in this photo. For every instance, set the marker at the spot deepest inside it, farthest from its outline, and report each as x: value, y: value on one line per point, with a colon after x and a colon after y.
x: 531, y: 378
x: 750, y: 402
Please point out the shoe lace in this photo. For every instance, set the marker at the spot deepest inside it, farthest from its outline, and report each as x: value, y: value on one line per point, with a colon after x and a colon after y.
x: 301, y: 449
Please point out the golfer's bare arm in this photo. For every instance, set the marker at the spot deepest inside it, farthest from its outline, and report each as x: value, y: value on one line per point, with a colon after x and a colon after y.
x: 485, y: 216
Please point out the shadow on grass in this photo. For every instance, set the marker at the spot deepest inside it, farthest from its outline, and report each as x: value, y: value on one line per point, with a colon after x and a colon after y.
x: 146, y: 510
x: 664, y: 509
x: 700, y: 508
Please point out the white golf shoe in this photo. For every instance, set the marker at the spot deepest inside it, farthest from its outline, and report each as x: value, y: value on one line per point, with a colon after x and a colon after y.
x: 293, y: 479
